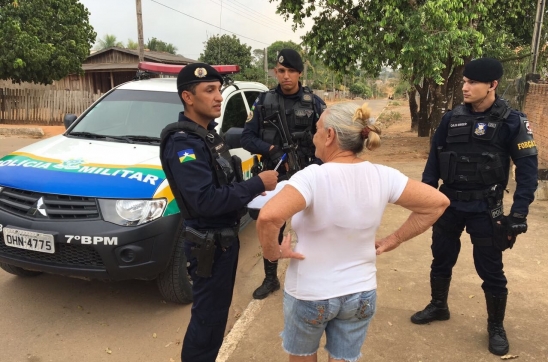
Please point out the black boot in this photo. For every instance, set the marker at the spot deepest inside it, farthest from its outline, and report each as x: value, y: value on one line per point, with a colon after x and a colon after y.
x: 437, y: 309
x: 270, y: 282
x: 496, y: 306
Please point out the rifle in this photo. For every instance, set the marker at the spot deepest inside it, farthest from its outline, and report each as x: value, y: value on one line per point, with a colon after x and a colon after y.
x: 289, y: 146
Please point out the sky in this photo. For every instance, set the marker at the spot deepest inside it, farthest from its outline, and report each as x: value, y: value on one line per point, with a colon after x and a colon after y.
x: 254, y: 22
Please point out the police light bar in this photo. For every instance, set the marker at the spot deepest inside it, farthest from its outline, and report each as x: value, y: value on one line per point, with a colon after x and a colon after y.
x: 175, y: 69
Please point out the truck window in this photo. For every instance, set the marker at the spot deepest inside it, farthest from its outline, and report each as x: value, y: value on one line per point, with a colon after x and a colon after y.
x: 235, y: 113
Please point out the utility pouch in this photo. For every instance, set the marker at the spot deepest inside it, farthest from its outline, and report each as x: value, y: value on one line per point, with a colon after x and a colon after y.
x: 491, y: 169
x: 227, y: 237
x: 448, y: 165
x: 205, y: 255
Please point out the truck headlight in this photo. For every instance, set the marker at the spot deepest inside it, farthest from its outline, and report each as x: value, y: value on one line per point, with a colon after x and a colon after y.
x: 131, y: 212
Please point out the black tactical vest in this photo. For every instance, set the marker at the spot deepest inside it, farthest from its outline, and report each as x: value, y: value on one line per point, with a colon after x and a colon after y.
x: 300, y: 115
x: 226, y: 168
x: 475, y: 156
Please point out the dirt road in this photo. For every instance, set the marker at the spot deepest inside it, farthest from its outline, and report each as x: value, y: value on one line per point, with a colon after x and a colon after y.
x: 57, y: 319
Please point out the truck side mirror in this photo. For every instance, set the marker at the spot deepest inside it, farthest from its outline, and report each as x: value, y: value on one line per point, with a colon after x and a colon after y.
x: 232, y: 137
x: 69, y: 119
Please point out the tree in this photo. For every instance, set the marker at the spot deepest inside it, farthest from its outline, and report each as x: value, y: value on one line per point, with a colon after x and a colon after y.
x: 360, y: 90
x: 132, y: 44
x: 108, y: 41
x: 43, y: 40
x: 274, y: 48
x: 226, y: 49
x: 160, y: 46
x: 258, y: 58
x: 430, y: 40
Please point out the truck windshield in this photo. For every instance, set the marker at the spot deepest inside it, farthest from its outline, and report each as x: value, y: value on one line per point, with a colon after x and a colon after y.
x: 139, y: 114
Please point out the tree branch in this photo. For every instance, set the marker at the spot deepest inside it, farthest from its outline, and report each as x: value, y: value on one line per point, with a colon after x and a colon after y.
x: 340, y: 10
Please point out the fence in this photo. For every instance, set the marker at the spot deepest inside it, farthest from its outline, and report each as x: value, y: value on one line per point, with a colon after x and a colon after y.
x: 536, y: 108
x: 39, y: 106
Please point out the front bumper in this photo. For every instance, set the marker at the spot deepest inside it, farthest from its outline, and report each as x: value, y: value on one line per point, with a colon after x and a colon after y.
x: 95, y: 249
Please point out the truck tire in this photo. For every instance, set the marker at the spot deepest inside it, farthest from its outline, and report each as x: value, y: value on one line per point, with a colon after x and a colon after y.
x: 15, y: 270
x: 174, y: 282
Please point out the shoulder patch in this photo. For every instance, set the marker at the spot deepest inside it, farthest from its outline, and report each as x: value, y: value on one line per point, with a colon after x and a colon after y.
x: 186, y: 155
x: 527, y: 125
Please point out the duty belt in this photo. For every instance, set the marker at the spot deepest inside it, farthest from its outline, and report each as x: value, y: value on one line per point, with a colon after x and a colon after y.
x: 467, y: 195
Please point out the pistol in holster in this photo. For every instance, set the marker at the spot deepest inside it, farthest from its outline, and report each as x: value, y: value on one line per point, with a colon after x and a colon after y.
x: 204, y: 251
x: 206, y: 244
x: 496, y: 211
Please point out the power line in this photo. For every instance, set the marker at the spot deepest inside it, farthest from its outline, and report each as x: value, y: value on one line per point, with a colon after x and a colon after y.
x: 256, y: 13
x: 205, y: 22
x: 247, y: 16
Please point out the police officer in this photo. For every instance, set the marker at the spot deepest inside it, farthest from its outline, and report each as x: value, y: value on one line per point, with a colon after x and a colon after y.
x: 264, y: 133
x: 471, y: 151
x: 212, y: 197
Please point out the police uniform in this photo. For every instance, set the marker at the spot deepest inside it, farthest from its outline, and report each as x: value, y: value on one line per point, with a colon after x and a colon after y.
x: 470, y: 153
x: 302, y: 111
x: 204, y: 179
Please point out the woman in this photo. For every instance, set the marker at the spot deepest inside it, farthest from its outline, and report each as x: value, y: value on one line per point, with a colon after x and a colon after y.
x: 337, y: 207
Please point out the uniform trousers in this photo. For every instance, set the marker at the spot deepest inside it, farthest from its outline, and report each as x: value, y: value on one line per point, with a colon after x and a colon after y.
x: 212, y: 297
x: 446, y: 246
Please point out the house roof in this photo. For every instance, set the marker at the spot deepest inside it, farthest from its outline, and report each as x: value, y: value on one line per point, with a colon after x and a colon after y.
x: 110, y: 66
x: 153, y: 56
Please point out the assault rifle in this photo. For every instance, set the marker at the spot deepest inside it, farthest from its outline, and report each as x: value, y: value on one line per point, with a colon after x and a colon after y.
x: 289, y: 146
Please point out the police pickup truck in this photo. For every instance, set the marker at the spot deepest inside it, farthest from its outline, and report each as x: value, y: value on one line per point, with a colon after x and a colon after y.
x: 94, y: 202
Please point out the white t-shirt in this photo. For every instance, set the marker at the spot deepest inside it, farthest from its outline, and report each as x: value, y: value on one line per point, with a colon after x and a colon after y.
x: 336, y: 230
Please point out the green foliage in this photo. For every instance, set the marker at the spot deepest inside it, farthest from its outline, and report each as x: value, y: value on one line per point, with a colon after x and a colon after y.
x: 133, y: 45
x: 401, y: 89
x: 274, y: 48
x: 108, y: 41
x: 157, y: 45
x: 43, y: 40
x: 253, y: 74
x: 360, y: 90
x: 226, y: 49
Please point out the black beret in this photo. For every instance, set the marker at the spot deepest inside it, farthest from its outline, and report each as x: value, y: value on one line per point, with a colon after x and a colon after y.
x: 197, y: 73
x: 289, y: 58
x: 483, y: 70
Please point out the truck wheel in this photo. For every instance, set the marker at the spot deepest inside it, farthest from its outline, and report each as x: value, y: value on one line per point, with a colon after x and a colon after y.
x: 15, y: 270
x: 174, y: 282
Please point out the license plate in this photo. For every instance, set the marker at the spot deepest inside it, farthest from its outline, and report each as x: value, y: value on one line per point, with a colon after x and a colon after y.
x: 29, y: 240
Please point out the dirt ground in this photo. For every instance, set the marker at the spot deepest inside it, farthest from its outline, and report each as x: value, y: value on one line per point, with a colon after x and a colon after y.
x: 403, y: 288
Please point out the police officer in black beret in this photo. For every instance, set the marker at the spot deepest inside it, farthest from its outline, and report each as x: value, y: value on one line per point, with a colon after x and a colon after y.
x: 471, y: 151
x: 263, y: 134
x: 212, y: 196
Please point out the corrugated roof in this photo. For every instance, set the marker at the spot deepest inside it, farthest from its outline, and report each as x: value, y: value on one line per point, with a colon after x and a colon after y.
x: 109, y: 66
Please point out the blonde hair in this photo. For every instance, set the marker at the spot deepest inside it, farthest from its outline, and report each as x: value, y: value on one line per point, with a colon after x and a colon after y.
x: 353, y: 126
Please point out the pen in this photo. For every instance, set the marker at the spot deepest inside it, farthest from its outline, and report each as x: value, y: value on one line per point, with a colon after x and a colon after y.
x: 281, y: 160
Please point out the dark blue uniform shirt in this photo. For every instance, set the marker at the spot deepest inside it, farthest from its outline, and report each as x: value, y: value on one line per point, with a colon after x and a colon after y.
x: 251, y: 139
x: 526, y: 167
x: 217, y: 205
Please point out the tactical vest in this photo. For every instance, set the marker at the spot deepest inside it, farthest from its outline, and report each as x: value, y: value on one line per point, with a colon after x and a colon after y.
x: 475, y: 156
x: 226, y: 168
x: 300, y: 115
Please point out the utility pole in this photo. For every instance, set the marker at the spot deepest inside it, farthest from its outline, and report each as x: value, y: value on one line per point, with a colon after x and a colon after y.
x: 537, y: 32
x: 140, y: 30
x: 265, y: 67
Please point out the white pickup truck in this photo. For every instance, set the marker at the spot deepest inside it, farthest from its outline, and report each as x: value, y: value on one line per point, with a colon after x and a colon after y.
x: 94, y: 202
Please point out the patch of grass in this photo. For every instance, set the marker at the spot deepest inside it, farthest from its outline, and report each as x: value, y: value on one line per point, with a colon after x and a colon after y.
x: 395, y: 103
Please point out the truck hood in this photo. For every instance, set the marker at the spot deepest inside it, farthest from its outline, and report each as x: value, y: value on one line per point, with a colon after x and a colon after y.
x: 83, y: 167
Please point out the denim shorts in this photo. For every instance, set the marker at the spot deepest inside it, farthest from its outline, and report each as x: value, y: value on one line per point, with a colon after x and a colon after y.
x: 344, y: 319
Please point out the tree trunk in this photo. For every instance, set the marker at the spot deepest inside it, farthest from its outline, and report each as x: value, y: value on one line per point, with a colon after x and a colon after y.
x: 423, y: 126
x: 457, y: 85
x: 413, y: 108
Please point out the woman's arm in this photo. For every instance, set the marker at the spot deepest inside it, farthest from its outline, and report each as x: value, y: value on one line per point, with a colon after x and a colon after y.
x: 427, y: 205
x: 281, y: 207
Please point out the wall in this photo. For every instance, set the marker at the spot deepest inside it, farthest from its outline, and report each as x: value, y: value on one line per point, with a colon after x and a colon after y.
x: 536, y: 109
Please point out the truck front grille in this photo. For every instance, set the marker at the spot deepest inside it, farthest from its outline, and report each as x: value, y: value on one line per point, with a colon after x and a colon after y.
x: 65, y: 255
x: 40, y: 206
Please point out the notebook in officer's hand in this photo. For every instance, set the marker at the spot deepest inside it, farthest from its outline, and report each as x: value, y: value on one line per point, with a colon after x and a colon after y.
x: 259, y: 201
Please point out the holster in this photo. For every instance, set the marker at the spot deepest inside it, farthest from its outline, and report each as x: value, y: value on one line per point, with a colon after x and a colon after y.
x: 496, y: 212
x: 204, y: 251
